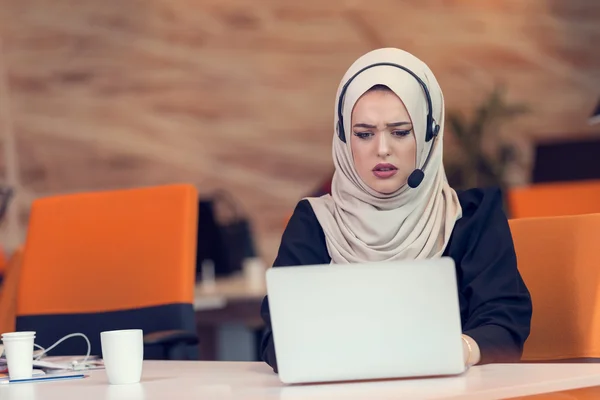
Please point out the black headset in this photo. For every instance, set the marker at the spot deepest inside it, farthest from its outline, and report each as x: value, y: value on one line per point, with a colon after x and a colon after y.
x: 416, y: 177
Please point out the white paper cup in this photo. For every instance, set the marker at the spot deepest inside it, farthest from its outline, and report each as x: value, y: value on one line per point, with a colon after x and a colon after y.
x: 18, y: 349
x: 123, y: 355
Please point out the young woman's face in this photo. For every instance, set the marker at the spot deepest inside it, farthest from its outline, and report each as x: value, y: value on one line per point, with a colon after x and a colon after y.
x: 382, y: 141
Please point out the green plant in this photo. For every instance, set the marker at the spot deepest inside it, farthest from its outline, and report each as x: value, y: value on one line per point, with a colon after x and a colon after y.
x: 475, y: 166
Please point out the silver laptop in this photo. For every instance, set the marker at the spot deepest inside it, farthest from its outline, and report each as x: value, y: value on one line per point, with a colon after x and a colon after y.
x: 366, y: 321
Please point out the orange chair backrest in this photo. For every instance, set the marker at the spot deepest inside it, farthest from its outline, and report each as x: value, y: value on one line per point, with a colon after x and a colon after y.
x: 555, y: 199
x: 8, y: 292
x: 559, y: 260
x: 110, y: 250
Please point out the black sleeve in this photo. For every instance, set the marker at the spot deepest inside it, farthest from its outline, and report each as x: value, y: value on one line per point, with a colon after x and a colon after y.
x: 302, y: 243
x: 499, y: 304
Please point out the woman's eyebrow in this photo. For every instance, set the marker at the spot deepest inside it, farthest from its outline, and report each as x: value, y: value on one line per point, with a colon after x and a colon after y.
x: 390, y: 125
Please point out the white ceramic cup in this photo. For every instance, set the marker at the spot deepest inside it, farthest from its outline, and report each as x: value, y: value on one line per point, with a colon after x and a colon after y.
x: 18, y: 349
x: 123, y: 355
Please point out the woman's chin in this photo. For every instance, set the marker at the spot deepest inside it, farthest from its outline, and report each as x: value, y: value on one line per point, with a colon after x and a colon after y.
x: 386, y: 188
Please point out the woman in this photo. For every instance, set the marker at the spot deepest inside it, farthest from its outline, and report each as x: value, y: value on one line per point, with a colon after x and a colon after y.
x: 390, y: 200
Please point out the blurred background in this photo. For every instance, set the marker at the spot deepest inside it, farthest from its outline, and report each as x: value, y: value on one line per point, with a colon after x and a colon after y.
x: 239, y: 95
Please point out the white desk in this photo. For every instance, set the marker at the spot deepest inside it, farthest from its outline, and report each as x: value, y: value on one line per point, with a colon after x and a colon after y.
x: 251, y: 381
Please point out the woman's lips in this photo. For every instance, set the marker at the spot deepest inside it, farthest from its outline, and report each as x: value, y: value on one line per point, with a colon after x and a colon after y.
x: 385, y: 170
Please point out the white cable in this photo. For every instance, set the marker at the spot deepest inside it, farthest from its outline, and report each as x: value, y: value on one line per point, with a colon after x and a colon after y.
x: 45, y: 351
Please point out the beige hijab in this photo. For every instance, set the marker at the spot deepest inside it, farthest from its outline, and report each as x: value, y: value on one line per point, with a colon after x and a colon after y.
x: 363, y: 225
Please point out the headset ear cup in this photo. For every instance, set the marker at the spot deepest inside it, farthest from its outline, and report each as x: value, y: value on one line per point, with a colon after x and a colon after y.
x: 433, y: 131
x: 429, y: 134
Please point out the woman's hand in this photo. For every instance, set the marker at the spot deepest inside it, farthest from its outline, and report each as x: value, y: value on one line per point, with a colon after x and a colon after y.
x: 471, y: 351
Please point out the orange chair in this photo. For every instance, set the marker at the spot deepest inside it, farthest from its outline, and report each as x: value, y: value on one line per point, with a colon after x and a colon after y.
x: 586, y: 393
x: 559, y: 260
x: 8, y: 292
x: 555, y: 199
x: 112, y: 260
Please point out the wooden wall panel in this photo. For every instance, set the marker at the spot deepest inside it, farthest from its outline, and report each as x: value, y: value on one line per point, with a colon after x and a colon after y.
x: 238, y: 94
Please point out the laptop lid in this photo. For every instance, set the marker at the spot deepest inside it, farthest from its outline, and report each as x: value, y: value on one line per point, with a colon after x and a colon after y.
x: 366, y: 321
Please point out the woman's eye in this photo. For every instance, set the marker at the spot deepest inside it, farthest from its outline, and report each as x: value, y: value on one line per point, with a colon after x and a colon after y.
x: 401, y: 133
x: 363, y: 135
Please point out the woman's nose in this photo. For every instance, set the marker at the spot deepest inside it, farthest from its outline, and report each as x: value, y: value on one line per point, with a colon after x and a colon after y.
x: 384, y: 145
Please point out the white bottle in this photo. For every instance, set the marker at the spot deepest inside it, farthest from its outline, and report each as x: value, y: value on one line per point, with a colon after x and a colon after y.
x: 254, y: 270
x: 208, y: 274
